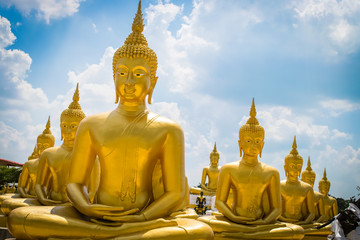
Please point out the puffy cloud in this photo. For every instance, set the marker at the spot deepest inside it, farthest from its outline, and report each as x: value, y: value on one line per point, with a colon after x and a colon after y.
x: 6, y: 36
x: 339, y: 106
x: 334, y: 23
x: 46, y: 9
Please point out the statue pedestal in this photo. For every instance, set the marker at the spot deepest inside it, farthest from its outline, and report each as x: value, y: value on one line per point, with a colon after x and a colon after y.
x: 3, y: 220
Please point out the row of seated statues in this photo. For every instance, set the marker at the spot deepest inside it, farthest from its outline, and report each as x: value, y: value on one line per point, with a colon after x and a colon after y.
x: 121, y: 175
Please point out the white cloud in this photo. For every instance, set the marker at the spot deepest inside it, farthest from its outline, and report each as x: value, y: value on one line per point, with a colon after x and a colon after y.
x: 339, y: 106
x: 281, y: 124
x: 7, y: 38
x: 46, y: 9
x: 94, y: 27
x: 335, y: 23
x: 9, y: 136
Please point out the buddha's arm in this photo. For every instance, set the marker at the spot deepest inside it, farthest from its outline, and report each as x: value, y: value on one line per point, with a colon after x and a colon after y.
x: 274, y: 199
x: 203, y: 178
x: 82, y: 162
x: 335, y: 208
x: 43, y: 174
x: 321, y: 211
x: 23, y: 182
x: 222, y: 194
x: 94, y: 180
x: 310, y: 206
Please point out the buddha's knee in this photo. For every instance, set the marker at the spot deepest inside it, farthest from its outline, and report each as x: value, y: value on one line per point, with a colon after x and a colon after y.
x: 16, y: 222
x: 296, y: 230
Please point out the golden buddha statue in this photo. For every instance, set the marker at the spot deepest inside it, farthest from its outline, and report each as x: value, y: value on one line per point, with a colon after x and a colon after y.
x: 297, y: 197
x: 27, y: 178
x: 211, y: 172
x: 256, y: 193
x: 308, y: 176
x: 54, y: 163
x: 330, y: 204
x: 129, y: 142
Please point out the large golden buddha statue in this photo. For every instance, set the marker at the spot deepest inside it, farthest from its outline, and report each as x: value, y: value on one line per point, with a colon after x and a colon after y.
x: 211, y: 172
x: 129, y: 142
x: 308, y: 176
x: 256, y: 193
x: 330, y: 204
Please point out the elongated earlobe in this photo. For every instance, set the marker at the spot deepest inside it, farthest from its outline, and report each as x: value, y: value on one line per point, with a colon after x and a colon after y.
x: 117, y: 99
x: 151, y: 89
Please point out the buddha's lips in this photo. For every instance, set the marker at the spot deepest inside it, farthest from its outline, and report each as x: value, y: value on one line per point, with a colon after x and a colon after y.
x: 129, y: 90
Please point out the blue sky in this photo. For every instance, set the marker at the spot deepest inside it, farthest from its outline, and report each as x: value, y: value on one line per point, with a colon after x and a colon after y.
x: 300, y: 60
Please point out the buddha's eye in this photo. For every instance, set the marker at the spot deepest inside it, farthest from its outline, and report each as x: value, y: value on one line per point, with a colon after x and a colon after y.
x: 122, y: 73
x: 139, y: 74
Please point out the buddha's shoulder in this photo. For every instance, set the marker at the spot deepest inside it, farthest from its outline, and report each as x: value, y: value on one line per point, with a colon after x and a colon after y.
x: 94, y: 120
x: 51, y: 151
x: 163, y: 122
x: 31, y: 162
x: 306, y: 186
x: 269, y: 169
x: 228, y: 167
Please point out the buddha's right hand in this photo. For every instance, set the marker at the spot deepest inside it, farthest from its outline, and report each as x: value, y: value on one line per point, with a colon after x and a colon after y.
x: 100, y: 210
x: 240, y: 219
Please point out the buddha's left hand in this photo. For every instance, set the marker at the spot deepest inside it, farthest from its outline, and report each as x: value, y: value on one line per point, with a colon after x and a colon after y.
x: 127, y: 218
x: 257, y: 222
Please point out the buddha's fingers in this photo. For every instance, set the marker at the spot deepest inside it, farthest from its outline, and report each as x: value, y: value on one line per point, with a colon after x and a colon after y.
x: 113, y: 215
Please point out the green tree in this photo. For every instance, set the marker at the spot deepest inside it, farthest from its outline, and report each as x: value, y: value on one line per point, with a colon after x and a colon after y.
x: 9, y: 174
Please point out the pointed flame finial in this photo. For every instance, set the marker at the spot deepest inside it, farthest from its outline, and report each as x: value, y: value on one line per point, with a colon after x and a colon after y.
x: 215, y: 150
x: 47, y: 129
x: 252, y: 120
x: 308, y: 168
x: 324, y: 177
x: 138, y: 24
x: 294, y: 147
x: 76, y: 97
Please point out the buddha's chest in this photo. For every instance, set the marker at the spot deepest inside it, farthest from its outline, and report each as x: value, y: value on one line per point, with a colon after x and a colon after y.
x: 293, y: 194
x: 60, y: 164
x: 249, y: 181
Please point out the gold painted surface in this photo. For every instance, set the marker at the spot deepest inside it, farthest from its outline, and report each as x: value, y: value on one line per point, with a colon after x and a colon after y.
x: 256, y: 193
x: 330, y: 204
x: 308, y: 176
x: 211, y: 173
x: 27, y: 179
x: 129, y: 142
x: 297, y: 197
x: 54, y: 163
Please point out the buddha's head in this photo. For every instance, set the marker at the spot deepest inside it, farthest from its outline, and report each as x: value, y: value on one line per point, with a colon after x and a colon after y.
x: 45, y: 139
x: 308, y: 175
x: 293, y: 163
x: 35, y: 153
x: 251, y: 135
x: 134, y: 66
x: 214, y: 156
x: 70, y: 118
x: 324, y: 184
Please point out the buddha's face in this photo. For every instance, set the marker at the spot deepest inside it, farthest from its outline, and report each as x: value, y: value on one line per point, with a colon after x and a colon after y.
x: 252, y: 143
x: 308, y: 178
x: 69, y: 127
x: 42, y: 144
x: 324, y: 187
x: 132, y: 79
x: 293, y: 168
x: 214, y: 159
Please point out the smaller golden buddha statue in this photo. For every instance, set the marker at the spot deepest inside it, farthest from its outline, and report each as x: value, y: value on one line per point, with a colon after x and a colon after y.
x: 27, y: 178
x: 256, y: 193
x: 330, y: 204
x: 297, y: 197
x: 54, y: 163
x: 211, y: 172
x: 308, y: 176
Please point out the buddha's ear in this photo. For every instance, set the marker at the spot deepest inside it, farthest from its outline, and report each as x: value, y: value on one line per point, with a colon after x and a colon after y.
x: 240, y: 148
x: 151, y: 89
x: 286, y: 172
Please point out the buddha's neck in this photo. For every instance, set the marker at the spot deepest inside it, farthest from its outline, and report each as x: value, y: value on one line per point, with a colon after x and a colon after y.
x: 131, y: 109
x: 292, y: 180
x: 68, y: 144
x: 249, y: 160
